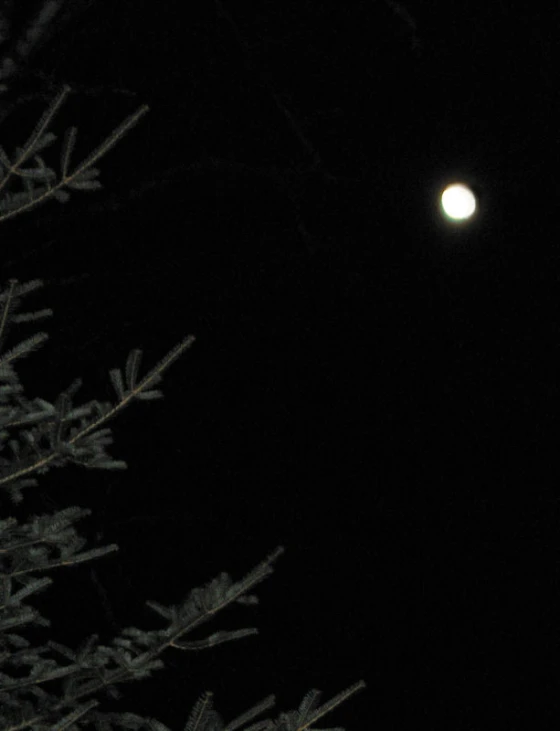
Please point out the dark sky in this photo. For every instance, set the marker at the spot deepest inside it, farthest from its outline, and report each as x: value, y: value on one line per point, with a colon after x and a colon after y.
x: 370, y: 387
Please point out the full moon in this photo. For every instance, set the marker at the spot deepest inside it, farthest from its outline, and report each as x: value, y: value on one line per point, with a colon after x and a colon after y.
x: 458, y: 202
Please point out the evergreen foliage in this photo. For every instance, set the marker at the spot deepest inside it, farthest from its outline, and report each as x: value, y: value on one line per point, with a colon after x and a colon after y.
x: 39, y: 181
x: 50, y: 686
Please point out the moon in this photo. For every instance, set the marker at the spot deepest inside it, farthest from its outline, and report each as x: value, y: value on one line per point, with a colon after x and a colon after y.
x: 458, y: 202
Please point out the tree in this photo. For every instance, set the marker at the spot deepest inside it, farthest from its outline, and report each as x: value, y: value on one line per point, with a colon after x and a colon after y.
x: 35, y: 436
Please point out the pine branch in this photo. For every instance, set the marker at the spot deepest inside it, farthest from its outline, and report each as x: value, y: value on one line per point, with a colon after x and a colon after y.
x: 40, y: 182
x: 53, y: 438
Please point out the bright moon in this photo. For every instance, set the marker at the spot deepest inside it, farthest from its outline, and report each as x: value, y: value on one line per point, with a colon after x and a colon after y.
x: 458, y: 202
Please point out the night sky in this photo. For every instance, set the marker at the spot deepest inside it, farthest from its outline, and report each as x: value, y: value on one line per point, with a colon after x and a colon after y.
x: 371, y: 387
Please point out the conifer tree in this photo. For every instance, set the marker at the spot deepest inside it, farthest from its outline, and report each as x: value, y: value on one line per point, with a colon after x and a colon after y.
x: 47, y: 685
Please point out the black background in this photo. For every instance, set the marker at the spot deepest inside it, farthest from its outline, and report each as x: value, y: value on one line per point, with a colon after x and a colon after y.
x: 370, y: 388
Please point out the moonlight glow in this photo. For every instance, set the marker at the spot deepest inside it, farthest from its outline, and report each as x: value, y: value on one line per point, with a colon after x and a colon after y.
x: 458, y: 202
